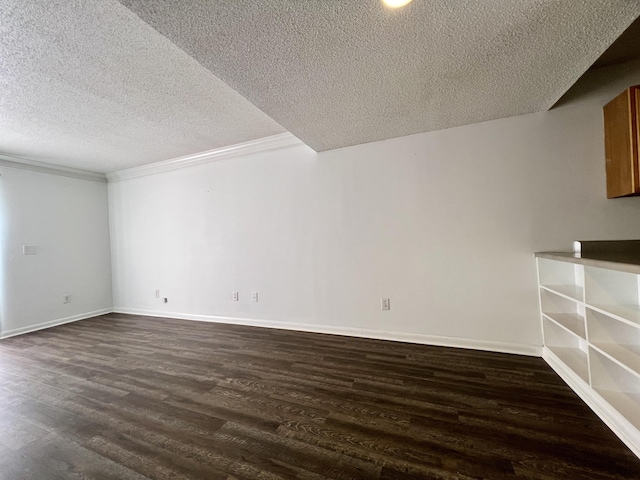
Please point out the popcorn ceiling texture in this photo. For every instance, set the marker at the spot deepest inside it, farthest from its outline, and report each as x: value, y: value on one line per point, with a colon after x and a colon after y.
x: 339, y: 73
x: 104, y: 85
x: 87, y: 84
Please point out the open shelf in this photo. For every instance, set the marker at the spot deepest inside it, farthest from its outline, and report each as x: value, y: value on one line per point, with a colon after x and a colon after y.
x: 568, y: 347
x: 626, y: 355
x: 617, y: 385
x: 613, y: 292
x: 572, y: 292
x: 571, y: 321
x: 617, y: 339
x: 564, y: 278
x: 627, y: 404
x: 565, y: 312
x: 574, y: 358
x: 630, y: 313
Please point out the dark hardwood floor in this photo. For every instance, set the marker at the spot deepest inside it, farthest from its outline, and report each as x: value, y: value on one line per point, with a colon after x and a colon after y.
x: 128, y: 397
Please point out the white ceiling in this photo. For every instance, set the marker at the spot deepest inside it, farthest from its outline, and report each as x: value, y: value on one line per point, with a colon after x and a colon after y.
x: 102, y: 85
x: 86, y: 84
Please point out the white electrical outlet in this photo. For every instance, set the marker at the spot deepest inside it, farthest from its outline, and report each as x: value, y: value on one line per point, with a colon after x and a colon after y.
x: 66, y: 299
x: 235, y: 296
x: 157, y: 293
x: 385, y: 304
x: 254, y: 297
x: 29, y: 250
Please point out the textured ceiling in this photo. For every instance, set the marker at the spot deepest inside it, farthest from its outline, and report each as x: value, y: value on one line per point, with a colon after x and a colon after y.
x: 104, y: 85
x: 624, y: 49
x: 339, y: 73
x: 87, y: 84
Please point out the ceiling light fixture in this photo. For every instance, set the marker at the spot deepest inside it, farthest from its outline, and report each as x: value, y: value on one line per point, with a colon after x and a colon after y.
x: 396, y: 3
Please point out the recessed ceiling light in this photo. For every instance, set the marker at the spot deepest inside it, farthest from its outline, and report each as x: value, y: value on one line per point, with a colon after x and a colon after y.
x: 396, y: 3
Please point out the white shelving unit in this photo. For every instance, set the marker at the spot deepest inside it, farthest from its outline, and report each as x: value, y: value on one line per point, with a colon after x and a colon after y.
x: 618, y: 385
x: 561, y: 278
x: 563, y: 311
x: 614, y: 338
x: 590, y: 313
x: 568, y: 347
x: 613, y: 293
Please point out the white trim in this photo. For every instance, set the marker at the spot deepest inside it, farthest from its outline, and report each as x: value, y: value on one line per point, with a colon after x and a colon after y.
x: 609, y: 415
x: 54, y: 323
x: 10, y: 161
x: 266, y: 144
x: 486, y: 345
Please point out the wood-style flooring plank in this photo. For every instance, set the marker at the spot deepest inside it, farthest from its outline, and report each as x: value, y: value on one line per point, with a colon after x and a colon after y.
x: 136, y: 398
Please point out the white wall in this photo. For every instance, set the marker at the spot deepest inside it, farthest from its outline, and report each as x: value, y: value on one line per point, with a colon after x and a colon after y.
x: 68, y: 220
x: 443, y: 223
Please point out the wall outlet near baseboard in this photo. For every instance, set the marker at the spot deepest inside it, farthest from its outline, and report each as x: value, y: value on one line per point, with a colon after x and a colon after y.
x: 165, y: 300
x: 157, y: 293
x: 254, y: 297
x: 235, y: 296
x: 66, y: 299
x: 385, y: 304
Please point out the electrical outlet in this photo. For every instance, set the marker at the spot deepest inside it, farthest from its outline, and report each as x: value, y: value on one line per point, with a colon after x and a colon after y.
x: 157, y: 293
x: 66, y: 299
x: 29, y: 250
x: 254, y: 297
x: 165, y: 300
x: 385, y: 304
x: 235, y: 296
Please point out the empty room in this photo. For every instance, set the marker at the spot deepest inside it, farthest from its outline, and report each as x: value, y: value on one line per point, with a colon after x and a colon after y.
x: 319, y: 239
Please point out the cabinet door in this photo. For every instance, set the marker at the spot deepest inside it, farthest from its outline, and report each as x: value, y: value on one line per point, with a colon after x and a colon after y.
x: 621, y: 144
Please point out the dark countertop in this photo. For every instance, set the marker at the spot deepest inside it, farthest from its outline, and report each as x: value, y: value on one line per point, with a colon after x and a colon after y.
x: 620, y: 260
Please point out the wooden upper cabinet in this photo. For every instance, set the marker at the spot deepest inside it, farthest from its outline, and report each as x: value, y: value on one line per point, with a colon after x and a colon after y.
x: 621, y: 139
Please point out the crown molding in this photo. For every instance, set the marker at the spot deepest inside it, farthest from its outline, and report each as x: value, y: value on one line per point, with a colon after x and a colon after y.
x: 266, y: 144
x: 11, y: 161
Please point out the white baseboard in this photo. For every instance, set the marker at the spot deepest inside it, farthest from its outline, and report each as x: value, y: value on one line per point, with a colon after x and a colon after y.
x: 610, y: 416
x: 486, y: 345
x: 53, y: 323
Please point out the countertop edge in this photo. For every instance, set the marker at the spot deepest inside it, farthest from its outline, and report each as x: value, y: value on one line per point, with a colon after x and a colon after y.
x: 611, y: 264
